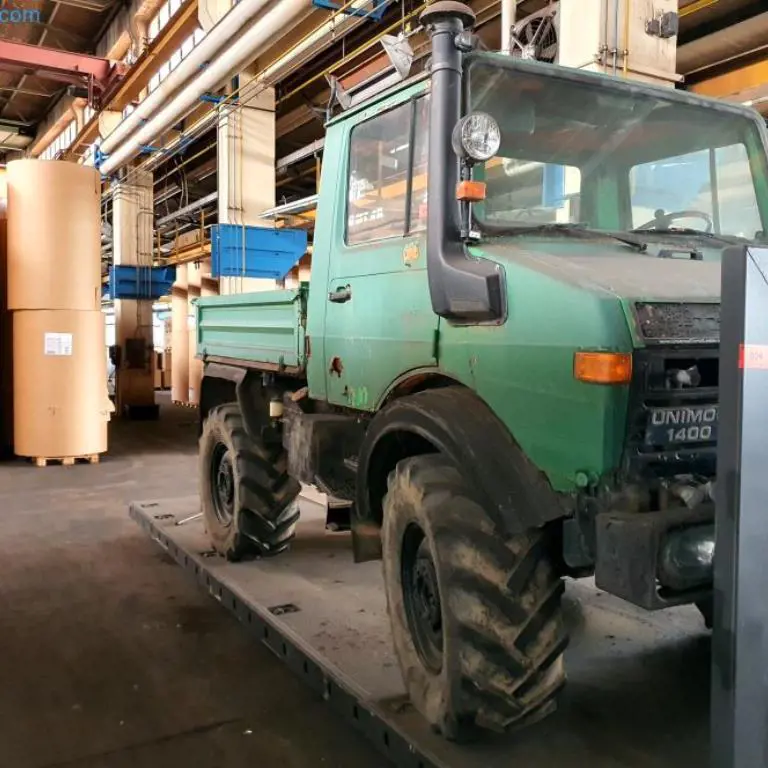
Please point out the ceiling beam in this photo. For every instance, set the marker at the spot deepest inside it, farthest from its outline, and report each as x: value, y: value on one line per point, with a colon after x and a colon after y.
x: 86, y: 5
x: 734, y: 82
x: 54, y: 64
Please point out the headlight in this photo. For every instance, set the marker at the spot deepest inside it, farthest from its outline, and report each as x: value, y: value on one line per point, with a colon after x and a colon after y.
x: 477, y: 136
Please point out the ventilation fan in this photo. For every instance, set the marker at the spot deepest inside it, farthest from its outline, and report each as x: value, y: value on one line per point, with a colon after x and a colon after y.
x: 536, y: 36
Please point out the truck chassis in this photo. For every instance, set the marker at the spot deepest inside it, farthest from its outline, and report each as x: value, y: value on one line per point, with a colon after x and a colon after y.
x: 627, y: 702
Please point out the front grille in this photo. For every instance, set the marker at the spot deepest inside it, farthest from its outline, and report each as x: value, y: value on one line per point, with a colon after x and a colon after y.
x: 678, y: 323
x: 670, y: 378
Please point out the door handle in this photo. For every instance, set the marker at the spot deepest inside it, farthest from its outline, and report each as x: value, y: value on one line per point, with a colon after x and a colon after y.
x: 340, y: 295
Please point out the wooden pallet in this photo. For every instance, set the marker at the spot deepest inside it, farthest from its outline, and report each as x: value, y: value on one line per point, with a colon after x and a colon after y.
x: 65, y: 461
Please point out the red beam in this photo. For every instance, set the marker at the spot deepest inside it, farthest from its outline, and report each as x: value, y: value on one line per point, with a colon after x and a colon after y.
x: 55, y: 64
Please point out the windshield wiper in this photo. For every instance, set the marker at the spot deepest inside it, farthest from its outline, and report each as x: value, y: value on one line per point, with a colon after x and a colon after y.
x: 691, y: 232
x: 574, y: 229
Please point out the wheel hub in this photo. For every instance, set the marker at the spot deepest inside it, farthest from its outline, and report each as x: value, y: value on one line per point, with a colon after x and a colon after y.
x: 427, y: 597
x: 223, y: 483
x: 421, y: 595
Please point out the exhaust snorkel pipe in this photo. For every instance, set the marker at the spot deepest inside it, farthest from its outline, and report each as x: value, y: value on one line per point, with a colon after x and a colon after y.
x: 463, y: 290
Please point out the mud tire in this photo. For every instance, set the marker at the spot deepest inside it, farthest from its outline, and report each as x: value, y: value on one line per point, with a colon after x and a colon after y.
x: 502, y: 629
x: 261, y: 511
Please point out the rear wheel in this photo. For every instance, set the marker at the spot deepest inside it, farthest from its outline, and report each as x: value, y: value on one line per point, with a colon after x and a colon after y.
x: 248, y: 500
x: 476, y: 619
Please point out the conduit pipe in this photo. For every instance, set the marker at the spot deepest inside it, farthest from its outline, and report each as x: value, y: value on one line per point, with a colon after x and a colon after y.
x: 203, y: 53
x: 508, y: 16
x: 232, y: 60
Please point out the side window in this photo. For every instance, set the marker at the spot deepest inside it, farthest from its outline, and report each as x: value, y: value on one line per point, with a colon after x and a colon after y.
x: 380, y: 176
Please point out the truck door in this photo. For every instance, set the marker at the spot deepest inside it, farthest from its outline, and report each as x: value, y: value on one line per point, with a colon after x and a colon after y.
x: 379, y: 322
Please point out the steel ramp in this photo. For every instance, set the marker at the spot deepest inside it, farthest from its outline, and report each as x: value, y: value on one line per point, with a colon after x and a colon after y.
x: 638, y: 683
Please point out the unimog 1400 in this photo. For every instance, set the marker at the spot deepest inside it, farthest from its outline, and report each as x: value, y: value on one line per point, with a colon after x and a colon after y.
x: 505, y: 361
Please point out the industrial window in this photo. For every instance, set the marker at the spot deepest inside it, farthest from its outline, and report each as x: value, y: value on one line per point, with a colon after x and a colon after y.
x: 380, y: 190
x: 60, y: 143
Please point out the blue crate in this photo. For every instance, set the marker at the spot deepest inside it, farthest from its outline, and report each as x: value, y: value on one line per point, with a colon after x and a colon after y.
x: 269, y: 253
x: 132, y: 282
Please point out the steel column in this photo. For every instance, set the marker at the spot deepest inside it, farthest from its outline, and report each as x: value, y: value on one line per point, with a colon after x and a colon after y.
x: 740, y: 637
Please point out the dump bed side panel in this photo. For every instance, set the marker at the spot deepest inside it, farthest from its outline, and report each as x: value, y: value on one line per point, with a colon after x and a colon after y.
x: 264, y: 327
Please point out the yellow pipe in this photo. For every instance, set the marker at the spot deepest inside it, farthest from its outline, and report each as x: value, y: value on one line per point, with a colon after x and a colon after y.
x: 697, y: 5
x: 627, y: 11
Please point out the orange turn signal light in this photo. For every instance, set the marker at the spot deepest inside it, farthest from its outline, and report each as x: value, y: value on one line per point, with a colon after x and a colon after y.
x: 470, y: 191
x: 602, y: 367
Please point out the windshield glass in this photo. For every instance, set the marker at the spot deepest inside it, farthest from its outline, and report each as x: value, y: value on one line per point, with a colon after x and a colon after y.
x: 613, y: 159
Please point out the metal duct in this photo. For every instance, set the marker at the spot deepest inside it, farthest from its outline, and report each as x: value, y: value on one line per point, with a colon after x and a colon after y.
x: 723, y: 46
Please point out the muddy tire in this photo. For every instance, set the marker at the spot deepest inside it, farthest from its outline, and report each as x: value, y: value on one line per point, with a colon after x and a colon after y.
x: 248, y: 500
x: 476, y: 620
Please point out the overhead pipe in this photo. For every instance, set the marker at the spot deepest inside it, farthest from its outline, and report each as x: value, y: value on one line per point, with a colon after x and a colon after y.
x: 202, y: 54
x: 228, y: 63
x: 287, y: 65
x: 508, y: 17
x: 232, y: 60
x: 138, y: 31
x: 724, y: 46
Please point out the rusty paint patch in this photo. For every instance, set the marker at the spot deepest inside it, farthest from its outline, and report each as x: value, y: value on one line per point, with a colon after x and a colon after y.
x: 336, y: 366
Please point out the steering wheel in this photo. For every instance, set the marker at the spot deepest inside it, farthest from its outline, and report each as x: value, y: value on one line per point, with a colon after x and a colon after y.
x: 662, y: 220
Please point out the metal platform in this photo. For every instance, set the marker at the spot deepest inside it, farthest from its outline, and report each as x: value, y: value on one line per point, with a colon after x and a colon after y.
x: 638, y: 690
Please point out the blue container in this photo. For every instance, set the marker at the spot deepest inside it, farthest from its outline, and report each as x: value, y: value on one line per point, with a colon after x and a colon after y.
x: 132, y: 282
x: 269, y: 253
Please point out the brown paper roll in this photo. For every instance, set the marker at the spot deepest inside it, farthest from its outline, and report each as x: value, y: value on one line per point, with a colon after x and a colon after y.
x: 54, y: 235
x: 6, y: 348
x: 61, y: 404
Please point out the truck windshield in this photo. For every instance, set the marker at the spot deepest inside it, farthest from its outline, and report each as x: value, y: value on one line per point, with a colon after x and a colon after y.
x: 578, y: 151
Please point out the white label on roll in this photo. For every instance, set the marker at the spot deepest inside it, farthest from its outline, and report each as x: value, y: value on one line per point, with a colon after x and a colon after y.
x: 59, y: 344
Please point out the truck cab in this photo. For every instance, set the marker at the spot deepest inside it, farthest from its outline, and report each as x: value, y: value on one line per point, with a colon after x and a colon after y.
x: 505, y: 362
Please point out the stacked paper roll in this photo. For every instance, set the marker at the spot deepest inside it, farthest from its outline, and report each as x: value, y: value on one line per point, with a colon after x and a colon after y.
x: 61, y: 404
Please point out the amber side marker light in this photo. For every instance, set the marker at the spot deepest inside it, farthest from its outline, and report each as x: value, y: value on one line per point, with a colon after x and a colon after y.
x: 602, y: 367
x: 470, y: 191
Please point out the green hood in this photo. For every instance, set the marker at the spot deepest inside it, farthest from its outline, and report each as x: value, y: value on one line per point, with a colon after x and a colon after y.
x: 612, y: 269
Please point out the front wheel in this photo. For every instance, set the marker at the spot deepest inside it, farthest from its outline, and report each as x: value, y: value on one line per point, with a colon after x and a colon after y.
x: 248, y: 500
x: 476, y: 619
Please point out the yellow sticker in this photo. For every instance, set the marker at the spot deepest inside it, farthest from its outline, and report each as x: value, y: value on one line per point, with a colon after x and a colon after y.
x: 410, y: 254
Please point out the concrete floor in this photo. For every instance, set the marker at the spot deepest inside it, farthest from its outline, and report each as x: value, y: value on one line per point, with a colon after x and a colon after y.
x: 110, y: 656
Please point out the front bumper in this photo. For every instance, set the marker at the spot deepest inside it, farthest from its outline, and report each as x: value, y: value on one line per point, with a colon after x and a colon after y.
x: 656, y: 559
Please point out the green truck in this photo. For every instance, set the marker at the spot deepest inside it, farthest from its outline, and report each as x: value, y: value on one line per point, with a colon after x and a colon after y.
x: 506, y: 367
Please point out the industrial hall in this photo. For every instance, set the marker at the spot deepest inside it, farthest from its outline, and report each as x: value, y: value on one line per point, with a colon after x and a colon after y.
x: 383, y: 383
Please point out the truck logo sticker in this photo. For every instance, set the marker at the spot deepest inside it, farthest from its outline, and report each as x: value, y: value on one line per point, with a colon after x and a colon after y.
x: 684, y: 416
